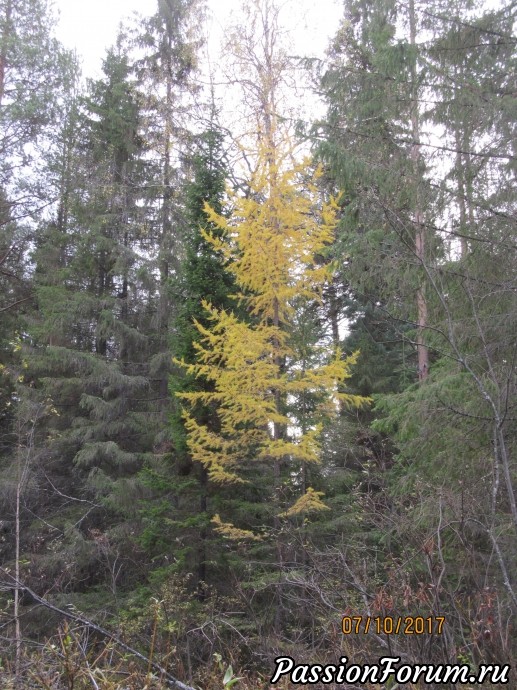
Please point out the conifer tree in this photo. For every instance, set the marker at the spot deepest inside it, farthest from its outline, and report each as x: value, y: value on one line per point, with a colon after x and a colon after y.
x: 89, y: 345
x: 254, y: 370
x: 169, y: 41
x: 370, y: 139
x: 184, y: 491
x: 34, y: 69
x: 372, y: 145
x: 272, y: 239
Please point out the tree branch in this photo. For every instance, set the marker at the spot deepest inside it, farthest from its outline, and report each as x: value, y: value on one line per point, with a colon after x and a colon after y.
x: 14, y: 304
x: 77, y: 618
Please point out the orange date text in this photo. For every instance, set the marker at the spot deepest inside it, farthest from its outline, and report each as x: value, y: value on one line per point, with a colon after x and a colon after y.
x: 393, y: 625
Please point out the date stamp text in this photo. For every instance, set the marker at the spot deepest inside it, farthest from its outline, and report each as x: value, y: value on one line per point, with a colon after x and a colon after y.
x: 393, y: 625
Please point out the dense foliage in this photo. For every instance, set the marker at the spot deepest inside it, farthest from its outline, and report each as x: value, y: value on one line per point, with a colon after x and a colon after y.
x: 243, y: 391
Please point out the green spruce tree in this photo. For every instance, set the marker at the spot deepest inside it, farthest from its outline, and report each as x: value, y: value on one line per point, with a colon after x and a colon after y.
x: 185, y: 492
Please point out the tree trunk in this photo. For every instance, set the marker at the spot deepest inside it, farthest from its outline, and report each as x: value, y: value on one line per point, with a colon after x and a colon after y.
x: 420, y: 231
x: 17, y: 633
x: 4, y: 47
x: 278, y: 433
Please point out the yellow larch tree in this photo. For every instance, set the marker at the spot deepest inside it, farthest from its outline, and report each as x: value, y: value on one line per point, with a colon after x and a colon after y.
x: 274, y: 242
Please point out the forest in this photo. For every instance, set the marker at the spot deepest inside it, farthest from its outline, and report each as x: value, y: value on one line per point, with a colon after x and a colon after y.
x: 258, y: 387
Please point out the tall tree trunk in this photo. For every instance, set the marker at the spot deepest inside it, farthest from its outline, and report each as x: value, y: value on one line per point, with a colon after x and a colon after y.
x: 203, y: 535
x: 23, y: 460
x: 420, y: 231
x: 461, y: 196
x: 278, y: 433
x: 18, y: 632
x: 166, y: 233
x: 463, y: 171
x: 4, y: 47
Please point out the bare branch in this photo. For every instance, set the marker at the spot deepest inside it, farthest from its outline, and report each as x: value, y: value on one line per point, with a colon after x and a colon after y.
x: 77, y: 618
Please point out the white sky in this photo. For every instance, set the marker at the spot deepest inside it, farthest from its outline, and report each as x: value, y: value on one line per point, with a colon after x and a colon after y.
x: 91, y: 25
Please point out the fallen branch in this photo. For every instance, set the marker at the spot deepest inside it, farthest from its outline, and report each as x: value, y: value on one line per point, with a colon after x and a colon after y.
x: 77, y: 618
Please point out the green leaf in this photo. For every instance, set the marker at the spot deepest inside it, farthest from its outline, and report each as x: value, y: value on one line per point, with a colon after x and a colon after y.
x: 228, y: 676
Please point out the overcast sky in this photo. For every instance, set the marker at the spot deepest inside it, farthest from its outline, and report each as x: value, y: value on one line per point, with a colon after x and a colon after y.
x: 91, y: 25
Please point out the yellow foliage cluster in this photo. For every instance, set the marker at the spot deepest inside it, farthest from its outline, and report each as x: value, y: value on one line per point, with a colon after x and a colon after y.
x: 275, y: 233
x: 310, y: 502
x: 229, y: 531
